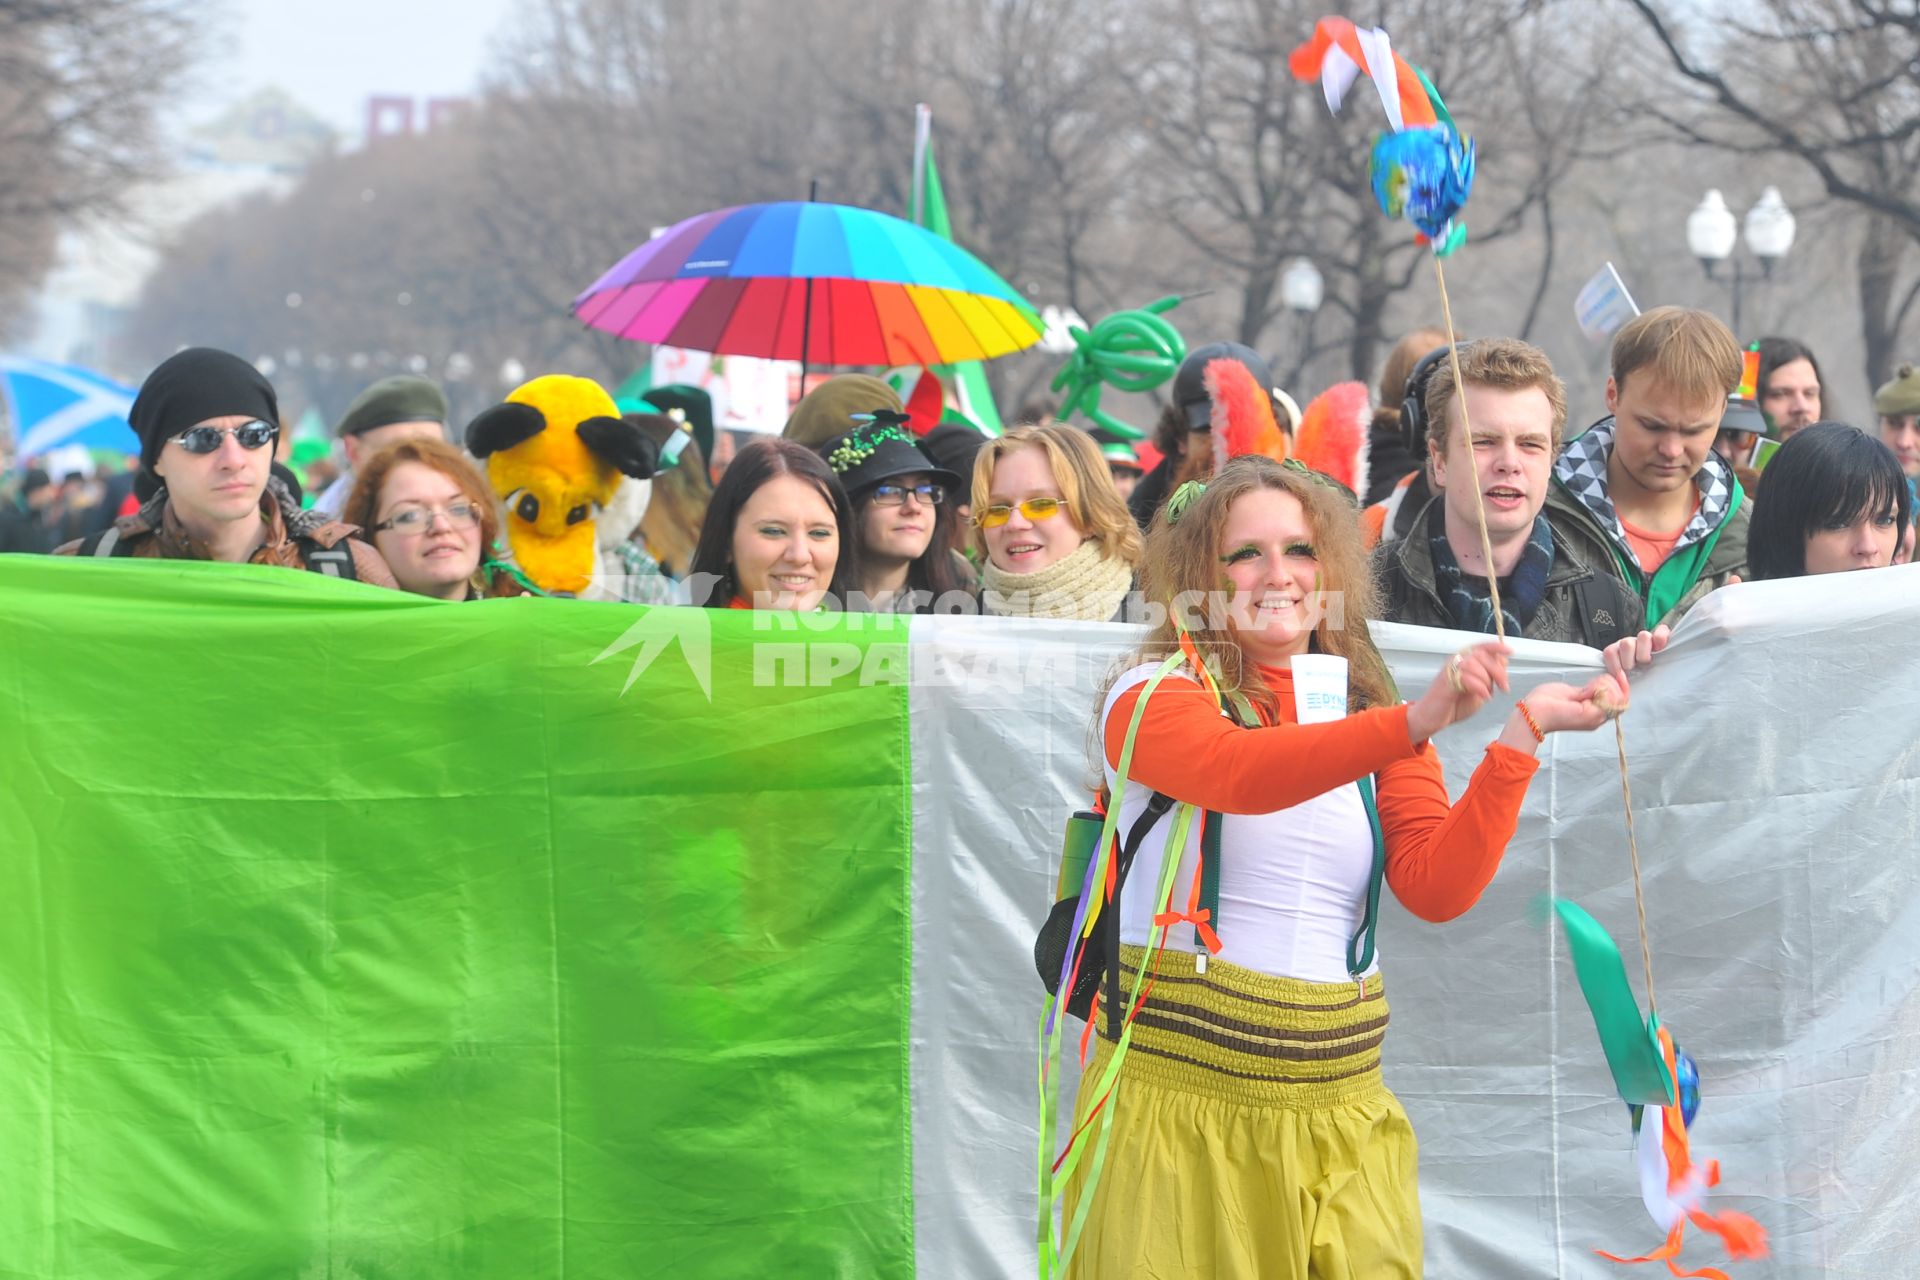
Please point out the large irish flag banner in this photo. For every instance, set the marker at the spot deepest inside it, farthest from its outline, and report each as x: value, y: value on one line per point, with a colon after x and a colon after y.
x: 344, y: 933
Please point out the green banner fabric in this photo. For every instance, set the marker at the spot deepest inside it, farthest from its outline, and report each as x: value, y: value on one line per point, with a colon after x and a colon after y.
x: 354, y: 934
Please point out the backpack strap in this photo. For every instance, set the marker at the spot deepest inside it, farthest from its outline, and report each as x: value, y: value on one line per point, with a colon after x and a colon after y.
x: 335, y: 561
x: 1360, y: 946
x: 1157, y: 806
x: 1210, y: 824
x: 107, y: 542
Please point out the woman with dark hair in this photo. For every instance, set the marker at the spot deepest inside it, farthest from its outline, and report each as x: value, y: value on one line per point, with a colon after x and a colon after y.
x: 1790, y: 387
x: 779, y: 534
x: 904, y: 511
x: 1250, y: 1131
x: 1835, y: 499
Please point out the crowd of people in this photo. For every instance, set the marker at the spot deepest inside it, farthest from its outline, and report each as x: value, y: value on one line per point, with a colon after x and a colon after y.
x: 1252, y: 1088
x: 1623, y: 526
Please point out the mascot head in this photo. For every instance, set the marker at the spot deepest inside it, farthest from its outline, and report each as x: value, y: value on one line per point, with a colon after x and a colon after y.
x: 556, y: 452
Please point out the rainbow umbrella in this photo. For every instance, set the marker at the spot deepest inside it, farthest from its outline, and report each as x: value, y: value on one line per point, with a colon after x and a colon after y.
x: 817, y: 283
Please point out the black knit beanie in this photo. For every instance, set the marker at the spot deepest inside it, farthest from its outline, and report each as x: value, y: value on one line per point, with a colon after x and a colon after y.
x: 192, y: 386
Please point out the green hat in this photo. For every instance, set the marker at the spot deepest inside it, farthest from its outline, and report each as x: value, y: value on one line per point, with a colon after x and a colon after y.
x: 1900, y: 397
x: 401, y: 398
x: 826, y: 412
x: 1119, y: 454
x: 689, y: 403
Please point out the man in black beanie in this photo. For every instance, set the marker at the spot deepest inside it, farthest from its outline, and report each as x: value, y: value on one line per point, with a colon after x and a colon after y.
x: 207, y: 423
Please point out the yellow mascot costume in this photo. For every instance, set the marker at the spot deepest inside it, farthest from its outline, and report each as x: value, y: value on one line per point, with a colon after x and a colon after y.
x: 556, y: 452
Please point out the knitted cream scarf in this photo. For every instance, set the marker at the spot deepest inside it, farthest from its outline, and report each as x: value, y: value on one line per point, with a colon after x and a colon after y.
x: 1087, y: 585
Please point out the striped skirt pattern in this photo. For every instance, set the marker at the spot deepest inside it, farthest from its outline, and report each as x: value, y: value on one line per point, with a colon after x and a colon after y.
x: 1252, y: 1135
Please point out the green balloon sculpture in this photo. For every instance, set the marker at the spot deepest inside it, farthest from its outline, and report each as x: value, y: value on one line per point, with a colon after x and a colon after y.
x: 1128, y: 351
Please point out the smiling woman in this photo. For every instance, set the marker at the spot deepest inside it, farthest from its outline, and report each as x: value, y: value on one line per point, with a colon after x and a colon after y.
x: 1058, y: 541
x: 431, y: 516
x: 904, y: 512
x: 778, y: 534
x: 1250, y: 1132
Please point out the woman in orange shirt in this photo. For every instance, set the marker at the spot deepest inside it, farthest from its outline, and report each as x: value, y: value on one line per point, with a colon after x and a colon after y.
x: 1251, y: 1134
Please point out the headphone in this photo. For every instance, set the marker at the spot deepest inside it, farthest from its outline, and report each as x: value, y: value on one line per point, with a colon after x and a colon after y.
x: 1413, y: 409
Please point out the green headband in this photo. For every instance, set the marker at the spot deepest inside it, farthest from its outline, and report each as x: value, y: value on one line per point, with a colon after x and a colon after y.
x: 1189, y: 493
x: 1183, y: 497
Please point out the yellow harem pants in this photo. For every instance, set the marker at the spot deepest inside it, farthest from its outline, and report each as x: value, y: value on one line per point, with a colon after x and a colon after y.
x: 1252, y: 1136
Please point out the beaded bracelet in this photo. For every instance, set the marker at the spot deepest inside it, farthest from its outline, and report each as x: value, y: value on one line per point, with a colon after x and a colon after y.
x: 1532, y: 724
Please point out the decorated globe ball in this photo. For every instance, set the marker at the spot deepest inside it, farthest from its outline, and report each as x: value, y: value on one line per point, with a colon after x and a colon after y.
x: 1687, y: 1083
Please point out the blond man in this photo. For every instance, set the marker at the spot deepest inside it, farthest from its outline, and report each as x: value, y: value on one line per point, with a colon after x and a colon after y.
x: 1492, y: 450
x: 1643, y: 487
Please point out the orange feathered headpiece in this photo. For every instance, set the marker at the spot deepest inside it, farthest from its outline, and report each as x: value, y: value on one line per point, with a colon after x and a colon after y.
x: 1333, y: 434
x: 1243, y: 420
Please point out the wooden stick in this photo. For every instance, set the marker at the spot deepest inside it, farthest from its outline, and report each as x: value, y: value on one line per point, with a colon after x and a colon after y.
x: 1633, y: 851
x: 1479, y: 500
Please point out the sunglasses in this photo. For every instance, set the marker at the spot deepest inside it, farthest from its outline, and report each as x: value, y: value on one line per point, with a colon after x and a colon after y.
x: 893, y: 495
x: 1032, y: 509
x: 251, y: 435
x: 461, y: 515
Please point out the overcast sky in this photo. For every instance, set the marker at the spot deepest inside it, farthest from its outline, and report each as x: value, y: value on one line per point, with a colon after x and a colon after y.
x: 331, y: 57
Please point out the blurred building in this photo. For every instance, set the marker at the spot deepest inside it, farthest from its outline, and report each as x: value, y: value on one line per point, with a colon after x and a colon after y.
x: 394, y: 115
x: 262, y: 143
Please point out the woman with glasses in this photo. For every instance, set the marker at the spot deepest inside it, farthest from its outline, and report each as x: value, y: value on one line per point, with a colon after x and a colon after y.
x: 207, y: 422
x: 903, y: 514
x: 432, y: 517
x: 1057, y: 540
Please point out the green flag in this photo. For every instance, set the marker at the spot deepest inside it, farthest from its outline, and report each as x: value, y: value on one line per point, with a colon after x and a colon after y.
x: 351, y: 933
x: 930, y: 211
x: 1631, y: 1044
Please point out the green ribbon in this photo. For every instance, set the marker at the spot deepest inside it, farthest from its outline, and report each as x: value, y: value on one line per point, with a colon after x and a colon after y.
x: 513, y: 571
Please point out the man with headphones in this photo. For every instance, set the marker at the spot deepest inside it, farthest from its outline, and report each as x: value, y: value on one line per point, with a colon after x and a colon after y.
x: 1435, y: 575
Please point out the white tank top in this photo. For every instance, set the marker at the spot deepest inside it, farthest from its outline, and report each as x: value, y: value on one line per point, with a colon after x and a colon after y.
x: 1293, y: 883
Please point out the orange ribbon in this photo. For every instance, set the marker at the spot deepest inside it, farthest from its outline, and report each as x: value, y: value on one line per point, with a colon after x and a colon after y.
x: 1743, y: 1238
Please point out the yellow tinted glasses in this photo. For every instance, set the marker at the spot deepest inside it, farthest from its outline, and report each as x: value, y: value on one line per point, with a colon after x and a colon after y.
x: 1031, y: 508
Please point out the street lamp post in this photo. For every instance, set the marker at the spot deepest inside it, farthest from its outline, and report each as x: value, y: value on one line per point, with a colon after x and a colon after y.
x: 1302, y: 289
x: 1712, y: 234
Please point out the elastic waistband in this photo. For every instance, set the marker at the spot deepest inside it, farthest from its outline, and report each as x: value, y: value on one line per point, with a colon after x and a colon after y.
x: 1242, y: 1036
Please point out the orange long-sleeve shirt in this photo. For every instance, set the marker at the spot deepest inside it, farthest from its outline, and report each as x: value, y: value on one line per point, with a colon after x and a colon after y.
x: 1440, y: 856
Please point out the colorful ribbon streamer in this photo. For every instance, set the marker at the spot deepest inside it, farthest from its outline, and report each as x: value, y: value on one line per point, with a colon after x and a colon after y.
x: 1423, y: 169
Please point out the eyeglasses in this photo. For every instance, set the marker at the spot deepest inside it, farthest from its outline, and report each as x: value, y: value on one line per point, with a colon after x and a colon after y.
x: 1031, y: 508
x: 251, y: 435
x: 461, y: 515
x: 893, y: 495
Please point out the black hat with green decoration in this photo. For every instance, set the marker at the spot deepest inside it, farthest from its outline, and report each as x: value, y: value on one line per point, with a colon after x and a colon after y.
x: 689, y: 405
